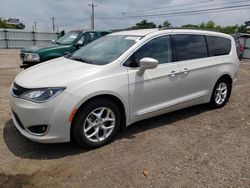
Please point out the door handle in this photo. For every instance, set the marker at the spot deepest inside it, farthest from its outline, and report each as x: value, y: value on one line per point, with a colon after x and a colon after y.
x: 185, y: 71
x: 172, y: 73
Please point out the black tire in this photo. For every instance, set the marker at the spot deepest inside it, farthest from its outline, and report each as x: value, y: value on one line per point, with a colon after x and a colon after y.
x: 213, y: 102
x: 83, y: 113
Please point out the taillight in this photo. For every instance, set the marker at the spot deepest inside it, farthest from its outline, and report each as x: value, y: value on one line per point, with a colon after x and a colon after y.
x: 241, y: 48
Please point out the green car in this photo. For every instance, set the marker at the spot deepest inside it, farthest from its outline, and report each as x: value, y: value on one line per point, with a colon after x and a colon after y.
x: 67, y: 44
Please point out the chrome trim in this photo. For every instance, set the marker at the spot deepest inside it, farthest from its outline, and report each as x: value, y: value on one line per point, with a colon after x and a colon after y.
x: 37, y: 134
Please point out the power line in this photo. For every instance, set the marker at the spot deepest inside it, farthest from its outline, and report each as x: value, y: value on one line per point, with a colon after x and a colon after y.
x: 195, y: 7
x: 81, y: 21
x: 183, y: 13
x: 176, y: 13
x: 178, y: 5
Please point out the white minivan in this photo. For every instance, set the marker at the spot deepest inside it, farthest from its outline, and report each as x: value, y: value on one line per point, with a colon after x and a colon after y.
x: 120, y: 79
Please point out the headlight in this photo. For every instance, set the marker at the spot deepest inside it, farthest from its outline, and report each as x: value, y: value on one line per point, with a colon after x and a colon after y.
x: 31, y: 57
x: 42, y: 95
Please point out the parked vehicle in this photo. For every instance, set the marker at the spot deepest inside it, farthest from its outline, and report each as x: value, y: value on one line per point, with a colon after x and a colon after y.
x: 120, y: 79
x: 239, y: 46
x: 67, y: 44
x: 243, y: 45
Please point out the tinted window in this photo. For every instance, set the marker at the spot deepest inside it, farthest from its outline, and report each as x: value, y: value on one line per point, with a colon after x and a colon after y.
x: 104, y: 33
x: 159, y: 49
x: 218, y: 46
x: 190, y: 47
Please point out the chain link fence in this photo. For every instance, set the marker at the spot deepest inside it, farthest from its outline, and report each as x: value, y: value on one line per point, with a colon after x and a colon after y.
x: 14, y: 38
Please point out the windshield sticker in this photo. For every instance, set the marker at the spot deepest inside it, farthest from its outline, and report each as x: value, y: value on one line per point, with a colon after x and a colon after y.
x: 73, y: 36
x: 133, y: 38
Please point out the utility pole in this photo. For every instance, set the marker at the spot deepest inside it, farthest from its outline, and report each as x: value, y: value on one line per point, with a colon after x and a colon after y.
x: 53, y: 23
x: 35, y: 25
x: 92, y: 5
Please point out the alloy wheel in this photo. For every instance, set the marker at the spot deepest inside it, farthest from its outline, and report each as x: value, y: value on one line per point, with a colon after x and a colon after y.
x: 99, y: 124
x: 221, y: 93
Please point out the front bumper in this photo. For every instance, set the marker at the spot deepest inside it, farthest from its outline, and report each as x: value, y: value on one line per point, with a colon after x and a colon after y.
x: 54, y: 113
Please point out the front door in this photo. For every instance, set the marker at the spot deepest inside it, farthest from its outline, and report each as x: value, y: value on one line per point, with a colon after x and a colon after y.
x: 157, y: 89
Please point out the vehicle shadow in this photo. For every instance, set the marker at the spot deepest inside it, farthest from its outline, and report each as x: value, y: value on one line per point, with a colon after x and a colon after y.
x: 24, y: 148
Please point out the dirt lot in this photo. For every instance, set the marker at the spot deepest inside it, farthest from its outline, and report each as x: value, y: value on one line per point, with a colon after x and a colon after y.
x: 195, y: 147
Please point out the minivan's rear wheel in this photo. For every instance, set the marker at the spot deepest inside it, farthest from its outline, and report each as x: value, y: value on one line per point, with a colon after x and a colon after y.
x: 221, y: 93
x: 96, y: 123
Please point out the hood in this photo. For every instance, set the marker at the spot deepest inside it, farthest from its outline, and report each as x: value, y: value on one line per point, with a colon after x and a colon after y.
x: 41, y: 48
x: 55, y: 73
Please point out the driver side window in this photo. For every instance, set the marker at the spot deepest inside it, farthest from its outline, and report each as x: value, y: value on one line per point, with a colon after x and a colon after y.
x: 88, y: 37
x: 158, y: 48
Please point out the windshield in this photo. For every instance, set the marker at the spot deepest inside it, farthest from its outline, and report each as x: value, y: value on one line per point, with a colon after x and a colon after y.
x: 68, y: 38
x: 105, y: 50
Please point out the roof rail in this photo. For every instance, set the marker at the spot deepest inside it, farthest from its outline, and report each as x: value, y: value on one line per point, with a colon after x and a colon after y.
x: 191, y: 28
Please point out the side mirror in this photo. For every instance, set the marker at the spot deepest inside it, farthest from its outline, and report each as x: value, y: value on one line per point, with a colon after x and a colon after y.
x: 79, y: 43
x: 147, y: 63
x: 53, y: 41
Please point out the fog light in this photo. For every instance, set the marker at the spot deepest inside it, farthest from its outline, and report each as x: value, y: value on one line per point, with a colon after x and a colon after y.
x: 38, y: 130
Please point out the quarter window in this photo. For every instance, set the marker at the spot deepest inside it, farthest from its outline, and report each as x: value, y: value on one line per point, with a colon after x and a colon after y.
x: 218, y: 45
x: 158, y: 48
x: 190, y: 47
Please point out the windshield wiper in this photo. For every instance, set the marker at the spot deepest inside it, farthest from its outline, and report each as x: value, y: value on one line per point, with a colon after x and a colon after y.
x: 58, y: 43
x: 82, y: 59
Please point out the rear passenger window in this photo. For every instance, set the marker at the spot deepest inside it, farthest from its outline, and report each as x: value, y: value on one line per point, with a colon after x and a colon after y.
x: 218, y: 45
x: 190, y: 47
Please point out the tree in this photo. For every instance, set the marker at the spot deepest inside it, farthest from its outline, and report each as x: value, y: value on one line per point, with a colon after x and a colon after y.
x: 242, y: 29
x: 210, y: 25
x: 144, y: 25
x: 160, y: 26
x: 190, y: 26
x: 4, y: 24
x: 167, y: 24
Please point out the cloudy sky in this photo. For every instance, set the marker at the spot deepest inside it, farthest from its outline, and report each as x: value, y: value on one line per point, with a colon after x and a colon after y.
x: 75, y: 14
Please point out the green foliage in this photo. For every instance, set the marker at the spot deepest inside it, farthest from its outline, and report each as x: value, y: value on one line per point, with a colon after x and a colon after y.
x: 242, y: 29
x: 3, y: 24
x: 210, y: 25
x: 144, y: 25
x: 190, y: 26
x: 160, y: 26
x: 167, y: 24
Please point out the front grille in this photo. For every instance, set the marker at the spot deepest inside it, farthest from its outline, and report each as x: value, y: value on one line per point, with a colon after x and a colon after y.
x: 18, y: 120
x: 18, y: 90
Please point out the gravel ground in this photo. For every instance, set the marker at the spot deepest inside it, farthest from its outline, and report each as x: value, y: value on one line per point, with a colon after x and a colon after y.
x: 194, y: 147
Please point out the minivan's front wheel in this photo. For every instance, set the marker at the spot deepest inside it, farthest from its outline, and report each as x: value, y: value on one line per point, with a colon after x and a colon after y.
x: 96, y: 123
x: 221, y: 93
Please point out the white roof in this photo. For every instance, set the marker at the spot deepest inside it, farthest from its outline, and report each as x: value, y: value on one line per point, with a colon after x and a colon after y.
x: 144, y: 32
x: 138, y: 32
